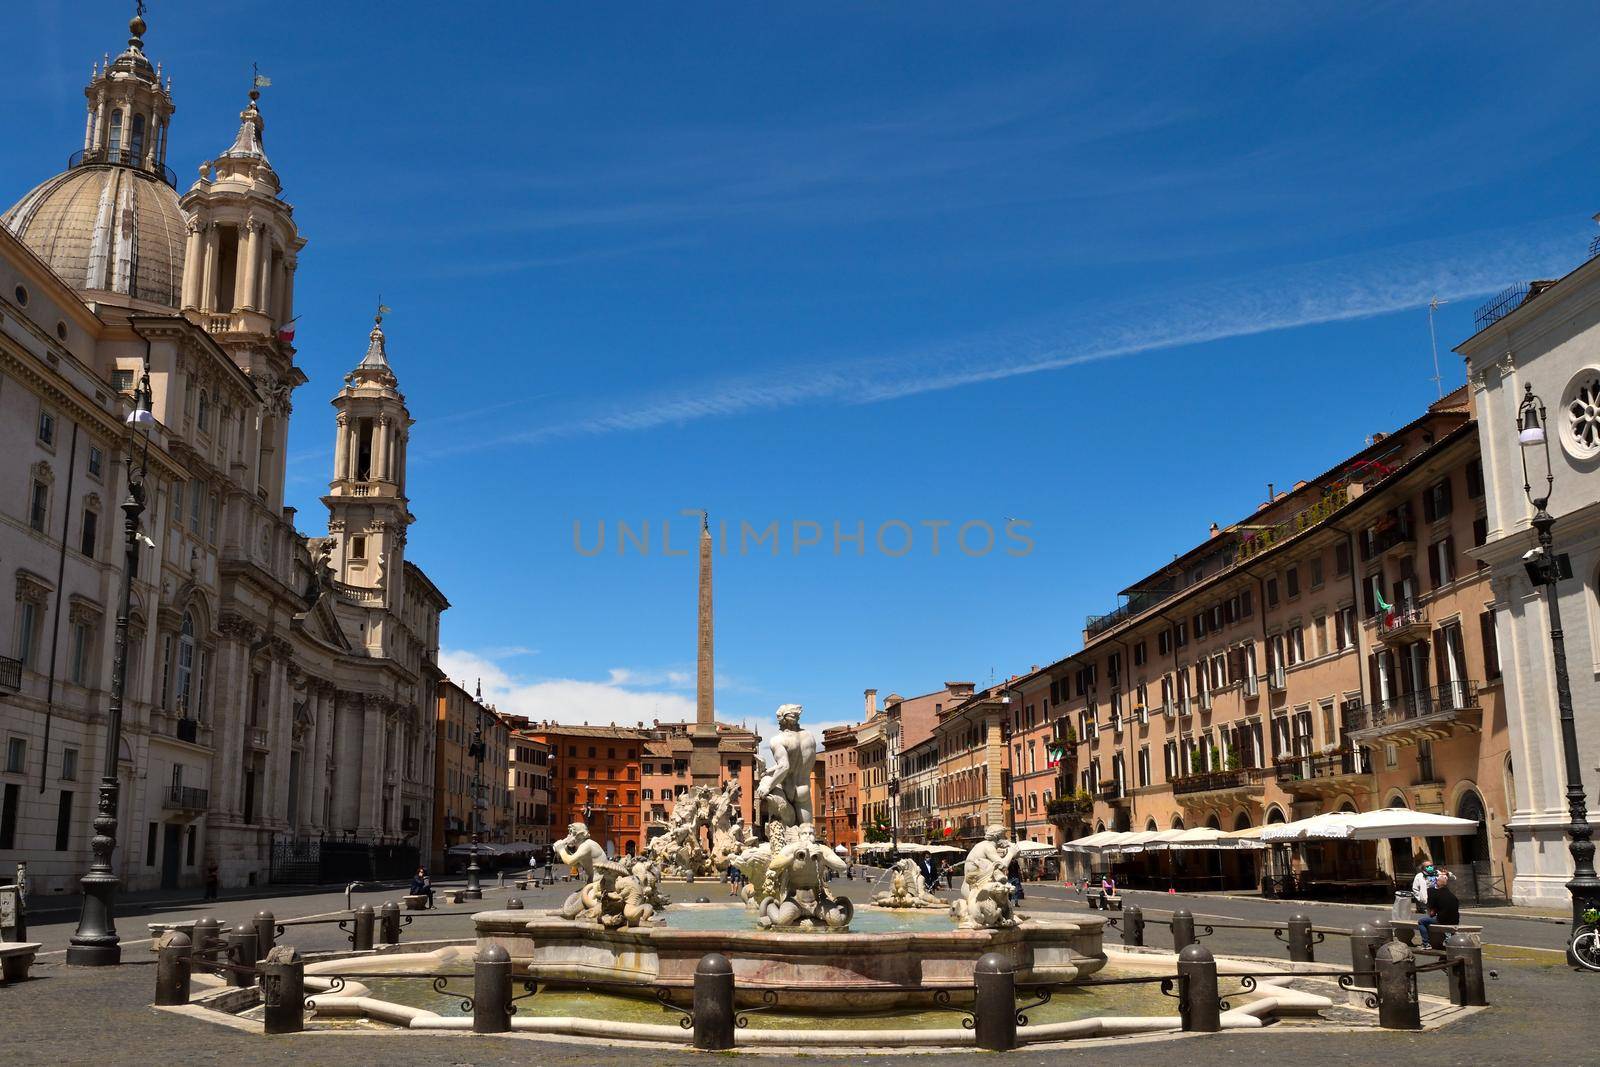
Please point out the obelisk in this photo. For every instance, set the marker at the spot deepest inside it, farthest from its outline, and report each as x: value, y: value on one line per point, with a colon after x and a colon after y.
x: 705, y: 764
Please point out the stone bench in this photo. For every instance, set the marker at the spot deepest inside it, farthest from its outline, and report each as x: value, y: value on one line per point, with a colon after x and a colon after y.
x: 453, y: 896
x: 1405, y: 930
x: 416, y: 902
x: 16, y: 957
x: 521, y: 883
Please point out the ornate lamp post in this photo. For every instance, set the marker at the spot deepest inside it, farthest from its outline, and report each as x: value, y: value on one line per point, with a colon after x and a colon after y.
x: 476, y: 750
x: 1545, y: 569
x: 95, y: 942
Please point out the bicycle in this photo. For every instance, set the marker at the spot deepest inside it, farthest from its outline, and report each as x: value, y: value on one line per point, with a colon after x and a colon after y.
x: 1586, y: 941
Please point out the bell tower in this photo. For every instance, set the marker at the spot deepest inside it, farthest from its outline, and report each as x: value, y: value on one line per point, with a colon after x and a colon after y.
x: 367, y: 507
x: 238, y: 282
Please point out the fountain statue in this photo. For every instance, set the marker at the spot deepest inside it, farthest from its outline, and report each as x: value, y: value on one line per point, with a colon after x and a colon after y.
x: 682, y: 850
x: 985, y: 901
x: 619, y: 898
x: 906, y: 889
x: 578, y: 850
x: 788, y: 873
x: 647, y: 874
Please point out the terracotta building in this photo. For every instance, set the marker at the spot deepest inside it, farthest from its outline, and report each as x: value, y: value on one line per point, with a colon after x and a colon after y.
x: 842, y: 817
x: 460, y: 718
x: 665, y: 771
x: 595, y: 779
x: 529, y: 774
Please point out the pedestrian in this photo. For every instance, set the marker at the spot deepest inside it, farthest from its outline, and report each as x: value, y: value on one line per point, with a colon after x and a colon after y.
x: 213, y: 879
x: 1014, y: 875
x: 1443, y: 907
x: 422, y: 886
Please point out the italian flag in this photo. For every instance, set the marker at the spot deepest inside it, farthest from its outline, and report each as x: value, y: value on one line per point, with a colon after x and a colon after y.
x: 1385, y: 607
x: 286, y: 331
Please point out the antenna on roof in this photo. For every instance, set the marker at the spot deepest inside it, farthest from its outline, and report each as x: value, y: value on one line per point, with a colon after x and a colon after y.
x: 1433, y: 305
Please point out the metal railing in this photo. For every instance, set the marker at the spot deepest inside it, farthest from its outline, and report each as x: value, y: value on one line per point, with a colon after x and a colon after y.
x: 1309, y: 768
x: 188, y: 797
x: 1504, y: 303
x: 1421, y: 703
x: 1401, y: 617
x: 10, y: 673
x: 122, y: 157
x: 1206, y: 781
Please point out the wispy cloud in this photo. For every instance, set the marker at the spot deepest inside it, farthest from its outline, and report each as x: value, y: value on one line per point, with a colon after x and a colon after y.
x: 1332, y: 290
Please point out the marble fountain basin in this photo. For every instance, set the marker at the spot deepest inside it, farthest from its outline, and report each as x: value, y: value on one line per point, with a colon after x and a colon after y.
x: 885, y: 959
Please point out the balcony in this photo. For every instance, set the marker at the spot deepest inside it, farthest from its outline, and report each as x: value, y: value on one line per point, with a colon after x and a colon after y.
x: 186, y: 798
x: 256, y: 737
x: 1433, y: 714
x: 1323, y: 775
x: 1213, y: 786
x: 1394, y: 530
x: 10, y: 673
x: 1110, y: 792
x: 1406, y: 621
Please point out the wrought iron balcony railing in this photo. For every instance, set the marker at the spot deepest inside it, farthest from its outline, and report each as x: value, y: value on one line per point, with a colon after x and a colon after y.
x: 1327, y: 765
x: 1210, y: 781
x: 10, y: 673
x: 188, y: 798
x: 121, y: 157
x: 1450, y: 696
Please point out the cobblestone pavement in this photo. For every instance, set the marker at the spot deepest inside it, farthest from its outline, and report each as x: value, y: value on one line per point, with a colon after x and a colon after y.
x: 1542, y: 1012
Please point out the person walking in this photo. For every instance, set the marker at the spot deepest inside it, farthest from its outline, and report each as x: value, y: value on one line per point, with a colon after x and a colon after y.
x: 213, y: 879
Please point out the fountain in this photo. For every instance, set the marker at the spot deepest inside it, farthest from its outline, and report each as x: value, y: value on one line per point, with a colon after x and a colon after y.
x: 788, y: 932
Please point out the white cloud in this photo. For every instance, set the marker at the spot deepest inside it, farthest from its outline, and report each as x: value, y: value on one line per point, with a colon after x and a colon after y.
x: 624, y: 697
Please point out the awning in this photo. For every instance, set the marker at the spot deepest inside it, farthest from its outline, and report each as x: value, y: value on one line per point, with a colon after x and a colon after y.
x: 1094, y: 842
x: 1370, y: 826
x: 1036, y: 848
x: 1205, y: 837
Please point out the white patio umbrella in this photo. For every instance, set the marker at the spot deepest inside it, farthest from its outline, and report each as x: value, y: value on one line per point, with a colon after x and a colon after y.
x: 1370, y: 826
x: 1036, y: 848
x: 1095, y: 842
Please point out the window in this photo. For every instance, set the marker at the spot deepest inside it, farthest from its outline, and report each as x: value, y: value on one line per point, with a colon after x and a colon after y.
x: 16, y: 756
x: 1272, y: 592
x: 202, y: 415
x: 39, y: 506
x: 216, y: 510
x: 47, y: 427
x: 196, y: 499
x: 1181, y: 634
x: 1199, y: 626
x: 1246, y: 604
x: 1373, y: 592
x: 1341, y: 558
x: 114, y: 143
x: 64, y: 821
x: 122, y: 381
x: 1291, y: 581
x: 1436, y: 501
x: 91, y: 523
x: 177, y: 502
x: 1475, y: 479
x: 1316, y: 573
x: 1297, y: 644
x: 185, y: 662
x: 1319, y: 632
x: 358, y: 550
x: 69, y: 765
x: 1139, y: 651
x: 97, y: 461
x: 1491, y: 646
x: 1442, y: 562
x: 28, y: 633
x: 80, y: 653
x: 1345, y: 629
x: 150, y: 846
x: 1164, y: 643
x: 136, y: 139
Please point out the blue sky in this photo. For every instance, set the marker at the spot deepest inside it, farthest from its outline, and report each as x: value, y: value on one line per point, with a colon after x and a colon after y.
x: 1107, y: 274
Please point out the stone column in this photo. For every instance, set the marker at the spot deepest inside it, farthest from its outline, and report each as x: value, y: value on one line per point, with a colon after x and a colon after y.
x: 248, y: 259
x: 341, y: 447
x: 380, y: 448
x: 264, y: 276
x: 213, y: 266
x: 280, y: 737
x: 371, y: 768
x: 193, y: 267
x: 88, y: 128
x: 286, y: 292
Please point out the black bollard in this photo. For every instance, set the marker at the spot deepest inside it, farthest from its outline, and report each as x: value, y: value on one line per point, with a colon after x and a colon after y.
x: 1364, y: 942
x: 283, y: 992
x: 1132, y: 926
x: 713, y: 1003
x: 1182, y: 929
x: 513, y: 903
x: 1199, y: 1001
x: 389, y: 923
x: 491, y: 991
x: 1300, y: 950
x: 994, y: 1007
x: 242, y: 954
x: 1466, y: 978
x: 207, y: 934
x: 361, y: 936
x: 173, y: 969
x: 1397, y: 988
x: 265, y: 927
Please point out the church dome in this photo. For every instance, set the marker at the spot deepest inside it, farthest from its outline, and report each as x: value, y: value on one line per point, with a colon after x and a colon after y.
x: 107, y: 228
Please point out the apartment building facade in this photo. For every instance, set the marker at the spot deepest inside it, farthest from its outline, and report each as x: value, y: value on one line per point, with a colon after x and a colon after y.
x: 842, y: 800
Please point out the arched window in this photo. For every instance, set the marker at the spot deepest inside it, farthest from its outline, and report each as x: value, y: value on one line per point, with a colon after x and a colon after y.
x: 136, y: 139
x: 185, y: 663
x: 114, y: 143
x: 1474, y: 847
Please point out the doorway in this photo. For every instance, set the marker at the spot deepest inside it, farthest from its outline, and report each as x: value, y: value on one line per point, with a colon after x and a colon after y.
x: 171, y: 854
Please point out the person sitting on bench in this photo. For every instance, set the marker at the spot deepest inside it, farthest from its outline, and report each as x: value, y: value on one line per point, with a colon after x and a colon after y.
x: 421, y: 886
x: 1443, y: 907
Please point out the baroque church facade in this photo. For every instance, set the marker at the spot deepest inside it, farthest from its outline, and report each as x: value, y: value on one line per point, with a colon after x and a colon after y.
x: 280, y: 690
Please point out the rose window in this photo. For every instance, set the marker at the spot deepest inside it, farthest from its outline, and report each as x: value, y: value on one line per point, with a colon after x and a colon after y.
x: 1583, y: 414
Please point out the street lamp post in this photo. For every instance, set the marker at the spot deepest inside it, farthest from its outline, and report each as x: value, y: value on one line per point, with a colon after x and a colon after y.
x: 1545, y: 569
x: 476, y: 750
x: 95, y: 943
